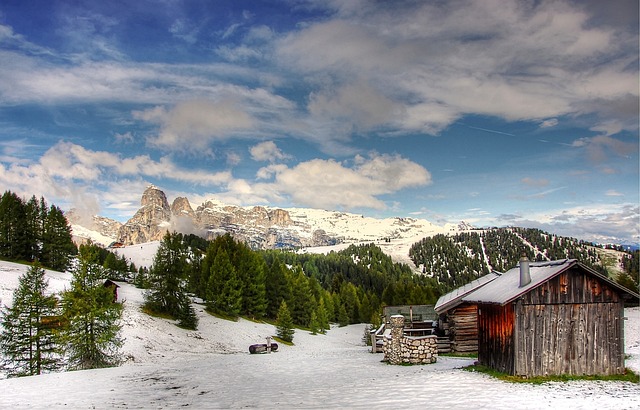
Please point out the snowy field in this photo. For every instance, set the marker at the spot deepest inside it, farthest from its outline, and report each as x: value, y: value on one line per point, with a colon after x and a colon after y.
x: 168, y: 367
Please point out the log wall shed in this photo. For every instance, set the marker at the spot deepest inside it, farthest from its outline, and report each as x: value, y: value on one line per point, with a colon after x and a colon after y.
x: 552, y: 318
x: 458, y: 320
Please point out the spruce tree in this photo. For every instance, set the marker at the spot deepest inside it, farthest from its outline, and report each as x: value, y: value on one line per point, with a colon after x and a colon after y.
x: 27, y: 340
x: 57, y: 244
x: 224, y: 289
x: 167, y: 292
x: 91, y: 336
x: 314, y: 324
x: 322, y: 317
x: 284, y: 323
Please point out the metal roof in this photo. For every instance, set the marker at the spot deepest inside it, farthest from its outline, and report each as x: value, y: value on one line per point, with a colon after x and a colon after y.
x: 506, y: 288
x: 454, y: 298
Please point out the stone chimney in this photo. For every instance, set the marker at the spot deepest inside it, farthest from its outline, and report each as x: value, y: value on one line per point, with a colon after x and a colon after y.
x: 525, y: 274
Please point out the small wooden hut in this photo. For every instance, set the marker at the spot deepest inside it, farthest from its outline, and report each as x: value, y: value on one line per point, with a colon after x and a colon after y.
x: 114, y: 288
x: 551, y: 318
x: 458, y: 320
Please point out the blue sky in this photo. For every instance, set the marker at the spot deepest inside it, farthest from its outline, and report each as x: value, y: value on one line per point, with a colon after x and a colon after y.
x: 494, y: 112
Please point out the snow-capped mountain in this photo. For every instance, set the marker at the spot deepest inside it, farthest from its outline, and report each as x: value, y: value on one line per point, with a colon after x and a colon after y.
x: 260, y: 227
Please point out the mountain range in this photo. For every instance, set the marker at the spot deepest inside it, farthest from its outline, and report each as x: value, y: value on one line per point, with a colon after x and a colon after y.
x: 322, y: 231
x: 260, y: 227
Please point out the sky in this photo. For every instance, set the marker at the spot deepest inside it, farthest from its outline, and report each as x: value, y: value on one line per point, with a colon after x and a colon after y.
x: 496, y: 112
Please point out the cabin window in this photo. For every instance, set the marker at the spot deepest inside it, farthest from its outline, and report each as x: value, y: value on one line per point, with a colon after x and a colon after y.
x: 595, y: 288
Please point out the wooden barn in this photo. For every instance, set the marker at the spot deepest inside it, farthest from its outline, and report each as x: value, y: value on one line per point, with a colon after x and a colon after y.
x: 551, y: 318
x: 458, y: 320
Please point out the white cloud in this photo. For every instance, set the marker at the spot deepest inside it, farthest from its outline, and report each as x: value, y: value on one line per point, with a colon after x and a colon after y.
x: 514, y: 60
x: 552, y: 122
x: 192, y: 125
x: 599, y: 223
x: 329, y: 184
x: 600, y: 147
x: 267, y: 151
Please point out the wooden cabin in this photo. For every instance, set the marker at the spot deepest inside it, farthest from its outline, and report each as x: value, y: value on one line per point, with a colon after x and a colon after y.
x: 114, y: 288
x: 551, y: 318
x: 458, y: 320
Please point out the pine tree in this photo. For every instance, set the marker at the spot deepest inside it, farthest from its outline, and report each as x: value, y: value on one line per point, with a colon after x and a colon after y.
x: 314, y: 324
x: 224, y: 289
x: 91, y: 336
x: 322, y: 317
x: 277, y: 287
x: 57, y: 244
x: 167, y: 292
x: 343, y: 316
x: 284, y: 323
x: 252, y: 269
x: 27, y: 341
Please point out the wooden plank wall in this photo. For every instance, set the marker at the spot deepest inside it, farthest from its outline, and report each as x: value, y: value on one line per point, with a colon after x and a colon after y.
x: 495, y: 336
x: 576, y: 339
x: 570, y: 325
x: 463, y: 327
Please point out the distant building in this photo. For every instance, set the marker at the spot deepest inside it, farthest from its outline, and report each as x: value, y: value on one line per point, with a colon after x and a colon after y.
x: 551, y: 318
x: 114, y: 288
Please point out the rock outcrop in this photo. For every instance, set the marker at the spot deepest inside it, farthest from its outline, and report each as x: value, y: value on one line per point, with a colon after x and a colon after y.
x: 151, y: 221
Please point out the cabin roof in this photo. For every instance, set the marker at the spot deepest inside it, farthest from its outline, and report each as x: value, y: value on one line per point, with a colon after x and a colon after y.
x: 454, y: 298
x: 507, y: 288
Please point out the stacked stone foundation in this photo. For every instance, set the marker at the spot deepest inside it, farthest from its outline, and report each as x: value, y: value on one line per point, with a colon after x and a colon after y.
x: 400, y: 349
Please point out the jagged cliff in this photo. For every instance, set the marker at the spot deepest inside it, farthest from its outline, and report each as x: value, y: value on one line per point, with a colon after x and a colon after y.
x: 260, y: 227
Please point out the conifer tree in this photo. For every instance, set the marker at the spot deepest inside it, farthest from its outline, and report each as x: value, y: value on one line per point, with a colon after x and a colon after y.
x: 343, y: 316
x: 284, y: 323
x: 27, y: 341
x: 225, y: 291
x: 322, y: 317
x: 276, y: 287
x: 167, y: 292
x: 314, y: 324
x: 252, y: 273
x: 91, y: 336
x: 57, y: 244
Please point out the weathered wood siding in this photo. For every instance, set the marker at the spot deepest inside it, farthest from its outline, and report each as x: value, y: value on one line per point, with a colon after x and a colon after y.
x: 495, y: 336
x: 571, y: 324
x: 463, y: 328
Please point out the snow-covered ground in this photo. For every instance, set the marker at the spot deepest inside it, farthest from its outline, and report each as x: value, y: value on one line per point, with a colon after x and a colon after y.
x: 168, y: 367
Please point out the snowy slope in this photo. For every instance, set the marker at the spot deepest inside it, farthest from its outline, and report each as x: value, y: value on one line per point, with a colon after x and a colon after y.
x: 168, y: 367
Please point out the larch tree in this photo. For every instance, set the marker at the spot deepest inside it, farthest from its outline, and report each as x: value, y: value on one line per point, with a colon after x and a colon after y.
x: 27, y: 340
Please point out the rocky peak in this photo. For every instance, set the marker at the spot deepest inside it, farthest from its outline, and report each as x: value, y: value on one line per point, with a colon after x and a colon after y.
x: 154, y: 197
x: 182, y: 207
x: 150, y: 222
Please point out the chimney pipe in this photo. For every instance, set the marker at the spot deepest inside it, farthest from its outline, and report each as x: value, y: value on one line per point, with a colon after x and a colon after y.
x: 525, y: 274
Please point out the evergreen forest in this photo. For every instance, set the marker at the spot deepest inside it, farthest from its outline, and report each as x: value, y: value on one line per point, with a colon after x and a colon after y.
x: 454, y: 260
x: 31, y: 230
x: 231, y: 279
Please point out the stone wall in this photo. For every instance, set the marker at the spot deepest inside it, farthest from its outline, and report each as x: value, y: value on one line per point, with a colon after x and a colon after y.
x: 400, y: 349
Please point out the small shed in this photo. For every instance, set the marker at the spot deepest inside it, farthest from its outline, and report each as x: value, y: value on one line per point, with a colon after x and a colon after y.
x: 457, y: 319
x: 114, y: 288
x: 551, y: 318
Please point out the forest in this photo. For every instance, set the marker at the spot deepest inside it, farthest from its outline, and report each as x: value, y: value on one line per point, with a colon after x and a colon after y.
x: 30, y: 230
x: 458, y: 259
x: 345, y: 287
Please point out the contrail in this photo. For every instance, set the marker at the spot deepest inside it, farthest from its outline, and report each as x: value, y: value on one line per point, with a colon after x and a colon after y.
x: 493, y: 131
